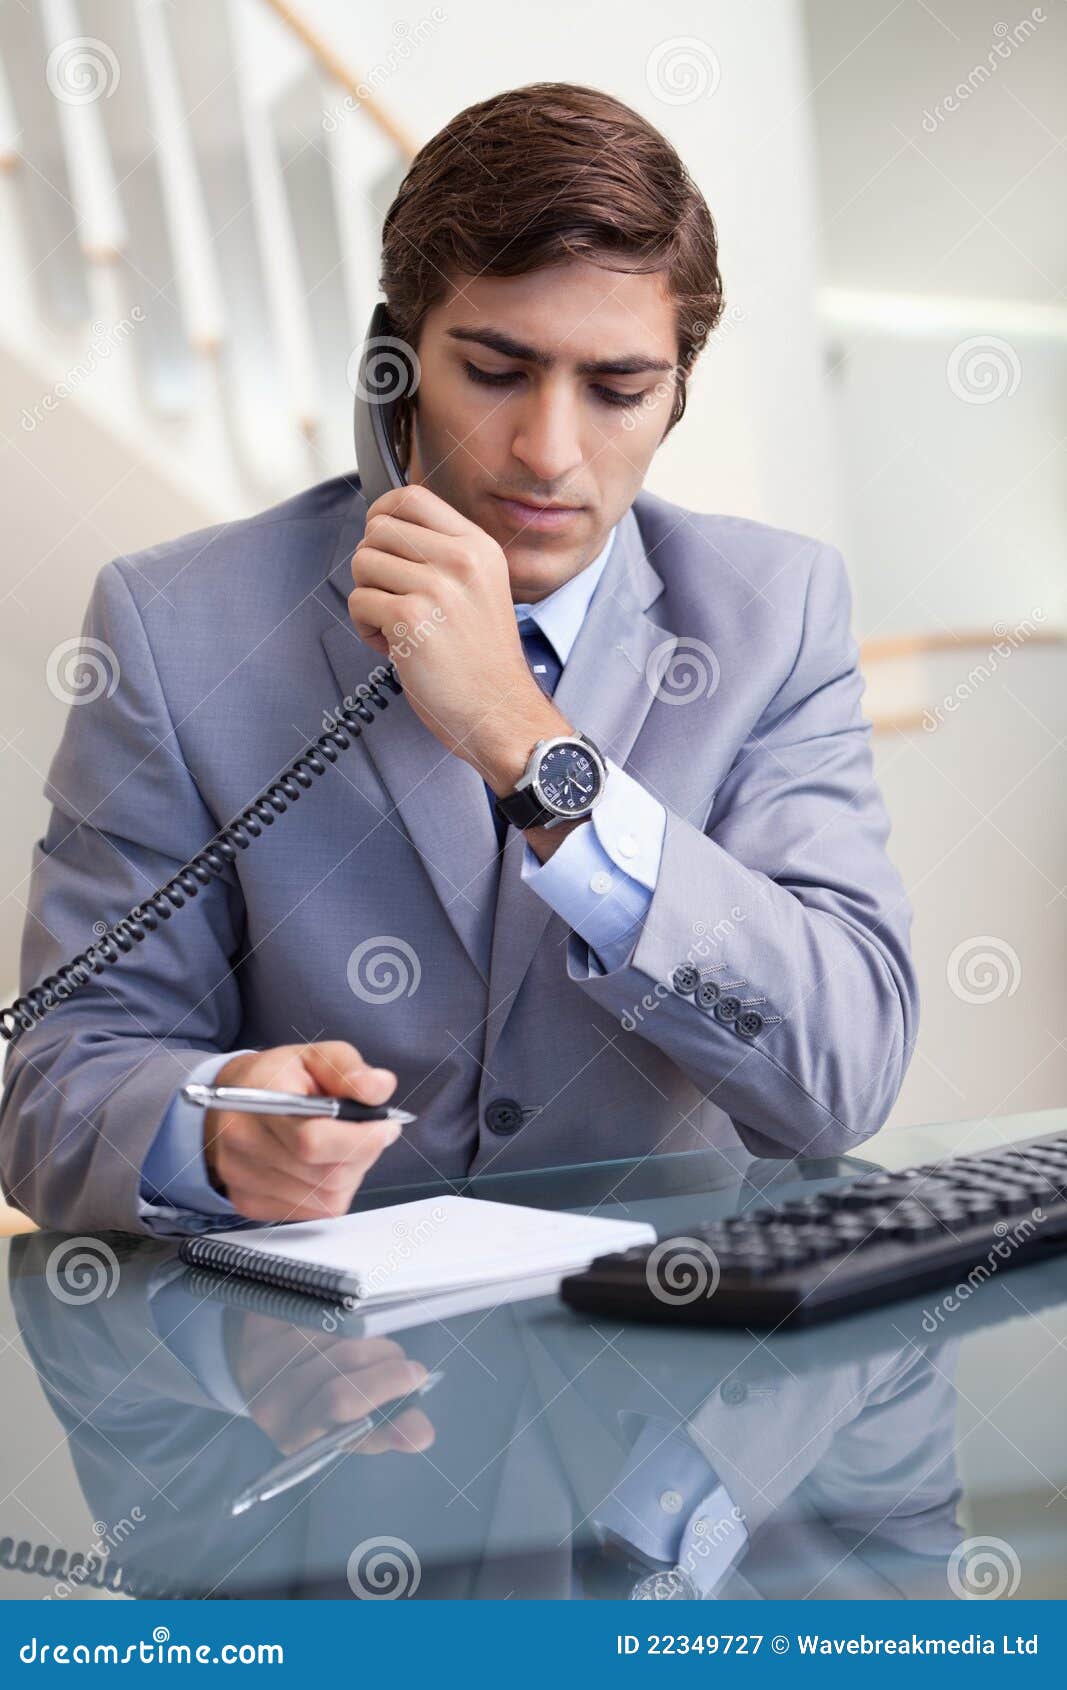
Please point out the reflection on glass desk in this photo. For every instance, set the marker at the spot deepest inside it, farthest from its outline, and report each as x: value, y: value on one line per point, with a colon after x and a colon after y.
x: 912, y: 1451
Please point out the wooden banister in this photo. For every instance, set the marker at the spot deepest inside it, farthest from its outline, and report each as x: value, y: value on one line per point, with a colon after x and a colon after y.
x: 890, y: 646
x: 333, y: 67
x: 919, y: 645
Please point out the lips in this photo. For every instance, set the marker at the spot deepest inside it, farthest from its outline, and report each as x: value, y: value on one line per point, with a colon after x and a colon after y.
x: 523, y: 514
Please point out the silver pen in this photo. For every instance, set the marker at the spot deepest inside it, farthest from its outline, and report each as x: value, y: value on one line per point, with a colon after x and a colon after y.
x: 342, y: 1440
x: 250, y: 1100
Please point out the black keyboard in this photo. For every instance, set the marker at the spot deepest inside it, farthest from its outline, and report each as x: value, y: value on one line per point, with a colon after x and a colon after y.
x: 882, y: 1237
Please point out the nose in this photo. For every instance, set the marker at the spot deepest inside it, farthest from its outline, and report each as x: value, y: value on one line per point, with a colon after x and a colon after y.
x: 547, y: 441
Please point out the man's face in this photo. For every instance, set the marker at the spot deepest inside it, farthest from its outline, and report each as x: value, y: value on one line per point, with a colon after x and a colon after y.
x: 551, y: 388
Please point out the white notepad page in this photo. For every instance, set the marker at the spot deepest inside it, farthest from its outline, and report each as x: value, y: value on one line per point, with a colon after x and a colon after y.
x: 437, y: 1243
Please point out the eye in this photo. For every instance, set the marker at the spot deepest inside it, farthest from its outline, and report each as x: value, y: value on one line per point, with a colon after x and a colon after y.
x: 611, y: 396
x: 507, y: 378
x: 491, y: 378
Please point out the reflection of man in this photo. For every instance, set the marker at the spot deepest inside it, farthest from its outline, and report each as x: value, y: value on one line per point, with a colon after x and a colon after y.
x: 719, y: 887
x: 547, y: 1464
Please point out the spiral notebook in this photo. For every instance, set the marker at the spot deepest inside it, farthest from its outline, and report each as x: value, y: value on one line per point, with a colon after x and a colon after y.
x: 415, y: 1249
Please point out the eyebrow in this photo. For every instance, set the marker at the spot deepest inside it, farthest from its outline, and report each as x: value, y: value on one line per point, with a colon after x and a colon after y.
x: 633, y: 364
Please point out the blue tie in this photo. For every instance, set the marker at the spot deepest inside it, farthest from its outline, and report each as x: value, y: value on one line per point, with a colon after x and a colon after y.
x: 546, y: 669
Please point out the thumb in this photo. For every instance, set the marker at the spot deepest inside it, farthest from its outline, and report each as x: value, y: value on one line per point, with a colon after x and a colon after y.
x: 338, y: 1070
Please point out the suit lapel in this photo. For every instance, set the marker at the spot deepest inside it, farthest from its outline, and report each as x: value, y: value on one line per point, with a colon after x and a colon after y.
x: 605, y: 691
x: 439, y: 800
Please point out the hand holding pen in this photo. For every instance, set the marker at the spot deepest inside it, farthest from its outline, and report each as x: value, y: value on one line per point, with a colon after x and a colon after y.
x: 273, y: 1159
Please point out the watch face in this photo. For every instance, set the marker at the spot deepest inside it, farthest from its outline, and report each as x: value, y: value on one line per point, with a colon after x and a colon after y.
x: 569, y: 778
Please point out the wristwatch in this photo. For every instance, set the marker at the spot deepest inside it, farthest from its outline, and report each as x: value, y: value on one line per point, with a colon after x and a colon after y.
x: 563, y: 780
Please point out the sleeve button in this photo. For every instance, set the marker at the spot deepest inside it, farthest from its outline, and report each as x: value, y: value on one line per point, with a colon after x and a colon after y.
x: 708, y: 995
x: 749, y: 1024
x: 685, y: 979
x: 728, y: 1009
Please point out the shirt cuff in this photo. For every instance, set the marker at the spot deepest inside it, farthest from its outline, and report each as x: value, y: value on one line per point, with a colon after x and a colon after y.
x: 175, y: 1189
x: 670, y: 1504
x: 193, y: 1329
x: 602, y: 878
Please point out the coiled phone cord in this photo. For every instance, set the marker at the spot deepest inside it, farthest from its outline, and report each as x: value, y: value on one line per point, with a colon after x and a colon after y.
x: 97, y: 1571
x: 212, y: 860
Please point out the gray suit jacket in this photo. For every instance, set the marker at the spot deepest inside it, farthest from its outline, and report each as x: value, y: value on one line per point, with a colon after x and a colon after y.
x: 715, y: 663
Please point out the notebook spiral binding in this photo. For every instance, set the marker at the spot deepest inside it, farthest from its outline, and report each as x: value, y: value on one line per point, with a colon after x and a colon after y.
x: 251, y: 1297
x: 96, y: 1571
x: 213, y: 860
x: 225, y: 1257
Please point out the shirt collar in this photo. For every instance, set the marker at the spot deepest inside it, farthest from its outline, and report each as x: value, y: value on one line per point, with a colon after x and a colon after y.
x: 561, y: 614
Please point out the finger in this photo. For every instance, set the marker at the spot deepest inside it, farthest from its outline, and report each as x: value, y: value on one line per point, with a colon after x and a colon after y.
x: 319, y: 1142
x: 373, y: 567
x: 349, y: 1355
x: 292, y: 1398
x: 344, y: 1398
x: 267, y: 1206
x: 332, y: 1188
x: 380, y: 612
x: 400, y: 538
x: 341, y: 1071
x: 418, y: 504
x: 275, y: 1197
x: 256, y: 1151
x: 410, y: 1433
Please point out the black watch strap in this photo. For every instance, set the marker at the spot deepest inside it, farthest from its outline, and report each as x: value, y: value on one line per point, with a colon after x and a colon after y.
x: 523, y: 809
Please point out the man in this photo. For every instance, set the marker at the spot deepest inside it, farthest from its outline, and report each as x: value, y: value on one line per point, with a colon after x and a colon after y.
x: 707, y: 943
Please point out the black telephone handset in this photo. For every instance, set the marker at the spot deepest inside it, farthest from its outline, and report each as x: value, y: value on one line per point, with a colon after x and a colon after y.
x: 385, y: 379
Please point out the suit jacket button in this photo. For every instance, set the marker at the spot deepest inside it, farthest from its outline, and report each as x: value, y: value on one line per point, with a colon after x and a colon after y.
x: 733, y: 1392
x: 728, y: 1009
x: 749, y: 1024
x: 503, y: 1115
x: 685, y: 979
x: 708, y: 995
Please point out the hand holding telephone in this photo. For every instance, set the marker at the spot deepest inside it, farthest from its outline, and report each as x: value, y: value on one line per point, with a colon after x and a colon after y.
x: 376, y: 404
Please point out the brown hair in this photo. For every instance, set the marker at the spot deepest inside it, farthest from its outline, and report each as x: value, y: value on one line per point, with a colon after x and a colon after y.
x: 539, y: 175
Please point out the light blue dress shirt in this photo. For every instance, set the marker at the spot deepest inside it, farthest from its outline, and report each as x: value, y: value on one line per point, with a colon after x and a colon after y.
x: 673, y: 1508
x: 600, y: 881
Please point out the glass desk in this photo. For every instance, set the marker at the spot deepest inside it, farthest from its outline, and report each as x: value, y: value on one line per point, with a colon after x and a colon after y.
x: 904, y: 1452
